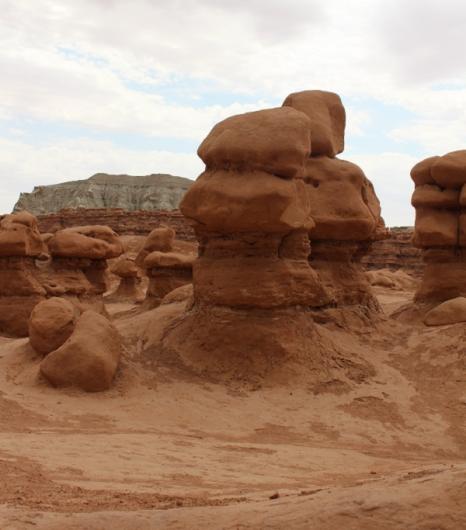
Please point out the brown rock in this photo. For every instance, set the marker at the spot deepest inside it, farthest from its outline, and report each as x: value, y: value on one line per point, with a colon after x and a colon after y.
x: 450, y: 312
x: 422, y: 171
x: 20, y: 236
x: 160, y: 239
x: 432, y: 196
x: 88, y: 359
x: 327, y: 119
x: 275, y: 141
x: 435, y: 228
x: 449, y: 171
x: 51, y: 323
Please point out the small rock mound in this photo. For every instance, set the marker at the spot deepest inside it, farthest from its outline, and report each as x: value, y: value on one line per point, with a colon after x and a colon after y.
x: 88, y: 359
x: 450, y: 312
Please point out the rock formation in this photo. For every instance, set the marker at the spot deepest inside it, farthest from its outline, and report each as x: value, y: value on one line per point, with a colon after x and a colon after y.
x: 166, y: 271
x: 51, y: 323
x: 450, y: 312
x: 253, y: 284
x: 20, y: 288
x: 79, y: 260
x: 343, y: 203
x: 396, y: 252
x: 129, y: 285
x: 88, y: 359
x: 149, y: 192
x: 440, y: 230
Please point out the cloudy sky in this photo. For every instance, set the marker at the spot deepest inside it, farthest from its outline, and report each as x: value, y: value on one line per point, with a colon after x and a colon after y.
x: 124, y: 86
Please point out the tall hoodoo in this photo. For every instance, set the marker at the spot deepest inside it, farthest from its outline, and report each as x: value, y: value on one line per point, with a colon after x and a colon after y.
x: 343, y: 203
x: 20, y: 288
x: 253, y: 284
x: 440, y: 230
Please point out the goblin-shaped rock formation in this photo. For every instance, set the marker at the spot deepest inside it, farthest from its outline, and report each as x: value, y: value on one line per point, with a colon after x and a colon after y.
x: 440, y: 230
x: 20, y: 288
x: 129, y: 285
x: 149, y: 192
x: 343, y: 203
x: 253, y: 284
x: 79, y: 260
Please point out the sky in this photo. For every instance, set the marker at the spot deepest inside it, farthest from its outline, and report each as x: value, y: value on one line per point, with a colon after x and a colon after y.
x: 133, y: 87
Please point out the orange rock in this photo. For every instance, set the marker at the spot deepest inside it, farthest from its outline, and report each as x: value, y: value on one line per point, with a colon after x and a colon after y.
x: 327, y: 119
x: 422, y: 171
x: 449, y: 171
x: 88, y: 359
x: 274, y: 140
x: 51, y: 323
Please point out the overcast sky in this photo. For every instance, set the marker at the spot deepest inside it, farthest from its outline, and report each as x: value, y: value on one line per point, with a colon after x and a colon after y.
x: 133, y: 86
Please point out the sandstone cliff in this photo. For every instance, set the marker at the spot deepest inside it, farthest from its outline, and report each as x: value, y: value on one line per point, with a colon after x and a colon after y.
x: 150, y: 192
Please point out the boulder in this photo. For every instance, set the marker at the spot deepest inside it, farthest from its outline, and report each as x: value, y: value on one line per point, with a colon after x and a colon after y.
x: 450, y: 312
x: 422, y: 171
x: 88, y: 359
x: 327, y: 119
x: 51, y: 323
x: 449, y: 171
x: 274, y: 141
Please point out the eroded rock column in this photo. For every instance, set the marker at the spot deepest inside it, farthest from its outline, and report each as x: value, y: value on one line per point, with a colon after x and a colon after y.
x: 440, y: 229
x: 343, y: 203
x: 253, y: 284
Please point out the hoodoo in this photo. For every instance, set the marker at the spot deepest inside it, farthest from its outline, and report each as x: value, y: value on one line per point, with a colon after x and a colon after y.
x: 344, y: 206
x: 20, y: 288
x: 440, y: 230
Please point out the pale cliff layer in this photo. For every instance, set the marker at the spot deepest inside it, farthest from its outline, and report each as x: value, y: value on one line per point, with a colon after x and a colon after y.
x: 149, y: 192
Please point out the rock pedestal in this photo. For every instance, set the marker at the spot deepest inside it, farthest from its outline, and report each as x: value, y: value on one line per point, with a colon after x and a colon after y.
x: 253, y: 284
x: 440, y: 230
x: 343, y: 203
x: 20, y: 288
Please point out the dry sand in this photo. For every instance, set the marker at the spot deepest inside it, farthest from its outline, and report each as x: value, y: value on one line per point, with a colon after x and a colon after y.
x: 158, y: 452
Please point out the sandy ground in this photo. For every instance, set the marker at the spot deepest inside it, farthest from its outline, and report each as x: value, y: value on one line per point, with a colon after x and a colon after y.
x: 163, y: 453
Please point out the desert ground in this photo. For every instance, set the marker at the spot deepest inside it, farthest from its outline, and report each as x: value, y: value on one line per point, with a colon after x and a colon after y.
x: 169, y: 449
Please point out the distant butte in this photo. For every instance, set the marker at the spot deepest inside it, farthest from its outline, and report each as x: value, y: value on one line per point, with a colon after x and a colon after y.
x: 149, y: 192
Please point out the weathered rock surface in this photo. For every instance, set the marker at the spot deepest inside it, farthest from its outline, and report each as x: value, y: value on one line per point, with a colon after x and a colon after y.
x: 20, y: 287
x: 129, y: 286
x: 449, y: 312
x: 149, y: 192
x: 88, y: 359
x: 440, y: 229
x: 396, y: 252
x: 51, y: 324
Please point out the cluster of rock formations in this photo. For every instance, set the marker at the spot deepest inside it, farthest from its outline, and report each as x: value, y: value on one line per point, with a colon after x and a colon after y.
x: 124, y: 222
x: 440, y: 230
x: 149, y: 192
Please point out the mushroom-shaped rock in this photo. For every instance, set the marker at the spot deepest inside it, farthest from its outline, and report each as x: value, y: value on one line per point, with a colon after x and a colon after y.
x: 128, y: 288
x: 440, y: 227
x: 79, y: 258
x: 20, y: 285
x: 167, y: 271
x: 161, y: 239
x: 88, y: 359
x: 51, y: 323
x: 20, y: 236
x: 327, y: 119
x: 450, y: 312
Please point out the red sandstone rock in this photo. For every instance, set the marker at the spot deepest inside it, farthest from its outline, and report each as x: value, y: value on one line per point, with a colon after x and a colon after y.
x: 93, y: 242
x: 275, y: 141
x: 160, y: 239
x: 129, y: 286
x: 422, y: 171
x: 20, y: 288
x: 327, y: 119
x: 449, y: 312
x: 449, y: 171
x: 51, y: 323
x: 432, y: 196
x: 88, y: 359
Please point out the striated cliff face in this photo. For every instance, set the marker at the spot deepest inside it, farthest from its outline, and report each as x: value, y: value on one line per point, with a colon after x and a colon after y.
x: 397, y: 252
x: 150, y: 192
